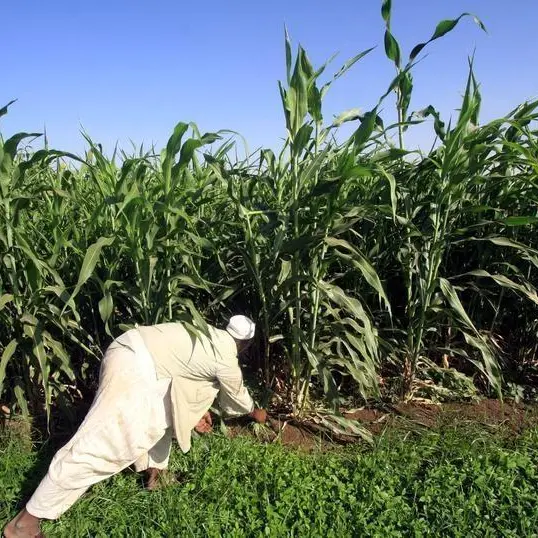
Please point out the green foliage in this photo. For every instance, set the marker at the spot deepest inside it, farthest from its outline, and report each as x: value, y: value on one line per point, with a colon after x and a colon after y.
x: 358, y: 259
x: 448, y: 483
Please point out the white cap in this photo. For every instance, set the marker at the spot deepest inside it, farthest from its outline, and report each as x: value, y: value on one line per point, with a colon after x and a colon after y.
x: 241, y: 327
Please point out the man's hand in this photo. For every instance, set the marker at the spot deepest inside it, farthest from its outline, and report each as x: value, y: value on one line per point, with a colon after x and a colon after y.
x: 259, y: 415
x: 205, y: 425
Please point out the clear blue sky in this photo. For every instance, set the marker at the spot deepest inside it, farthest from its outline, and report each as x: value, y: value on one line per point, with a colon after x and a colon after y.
x: 130, y: 70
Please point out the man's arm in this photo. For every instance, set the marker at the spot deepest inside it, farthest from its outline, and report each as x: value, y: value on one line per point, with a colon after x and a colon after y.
x: 234, y: 398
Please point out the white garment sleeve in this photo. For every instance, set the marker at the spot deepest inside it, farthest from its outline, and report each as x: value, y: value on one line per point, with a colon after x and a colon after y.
x: 234, y: 398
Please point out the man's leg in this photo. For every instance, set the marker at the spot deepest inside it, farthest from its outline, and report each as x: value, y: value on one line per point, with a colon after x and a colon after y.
x: 126, y: 419
x: 24, y: 525
x: 155, y: 462
x: 158, y: 456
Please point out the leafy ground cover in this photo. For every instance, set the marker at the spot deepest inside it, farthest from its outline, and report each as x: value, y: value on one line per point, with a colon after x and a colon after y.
x: 451, y: 478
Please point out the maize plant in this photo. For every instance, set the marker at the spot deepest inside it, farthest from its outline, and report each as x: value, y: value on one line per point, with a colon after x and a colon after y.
x: 371, y: 269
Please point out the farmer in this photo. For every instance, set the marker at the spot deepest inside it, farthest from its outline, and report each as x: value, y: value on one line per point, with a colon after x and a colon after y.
x: 155, y: 381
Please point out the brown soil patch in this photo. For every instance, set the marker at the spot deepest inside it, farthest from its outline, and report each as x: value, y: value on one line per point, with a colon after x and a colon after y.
x: 309, y: 434
x: 297, y: 436
x: 277, y: 430
x: 512, y: 417
x: 515, y: 417
x: 16, y: 429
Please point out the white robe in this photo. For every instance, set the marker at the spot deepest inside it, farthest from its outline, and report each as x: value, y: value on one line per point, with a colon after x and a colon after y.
x: 200, y: 368
x: 132, y: 420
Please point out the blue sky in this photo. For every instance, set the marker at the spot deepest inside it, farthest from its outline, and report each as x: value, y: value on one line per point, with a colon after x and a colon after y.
x: 130, y: 70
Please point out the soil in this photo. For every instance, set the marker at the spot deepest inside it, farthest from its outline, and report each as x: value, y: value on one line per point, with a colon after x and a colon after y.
x: 310, y: 433
x: 513, y: 417
x: 509, y: 417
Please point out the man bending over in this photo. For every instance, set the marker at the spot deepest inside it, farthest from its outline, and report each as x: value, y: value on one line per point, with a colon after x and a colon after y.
x: 155, y: 382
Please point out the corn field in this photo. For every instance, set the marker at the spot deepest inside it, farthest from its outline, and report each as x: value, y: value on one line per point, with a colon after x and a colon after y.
x: 373, y: 271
